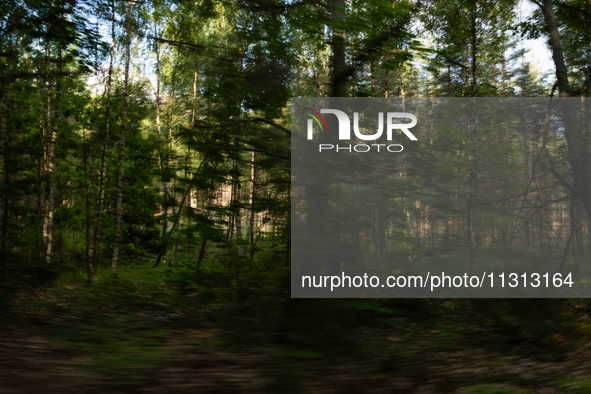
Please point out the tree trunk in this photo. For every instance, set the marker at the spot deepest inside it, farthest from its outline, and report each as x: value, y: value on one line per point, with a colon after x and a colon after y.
x: 474, y: 180
x: 557, y: 54
x: 40, y: 167
x: 194, y: 95
x: 252, y: 192
x: 236, y: 209
x: 374, y: 83
x: 119, y: 206
x: 472, y: 216
x: 580, y: 155
x: 205, y: 214
x: 172, y: 194
x: 47, y: 133
x: 91, y: 190
x: 473, y: 43
x: 238, y: 217
x: 4, y: 173
x: 175, y: 246
x: 588, y: 69
x: 339, y: 65
x: 504, y: 73
x: 160, y: 141
x: 449, y: 80
x: 103, y: 173
x: 51, y: 137
x: 4, y: 125
x: 88, y: 232
x: 587, y: 123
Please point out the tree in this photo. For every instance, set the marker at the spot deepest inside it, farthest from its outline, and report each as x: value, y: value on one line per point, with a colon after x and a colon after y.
x: 103, y: 167
x: 124, y: 126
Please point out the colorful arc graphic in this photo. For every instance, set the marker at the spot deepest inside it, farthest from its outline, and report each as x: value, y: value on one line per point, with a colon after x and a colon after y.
x: 315, y: 118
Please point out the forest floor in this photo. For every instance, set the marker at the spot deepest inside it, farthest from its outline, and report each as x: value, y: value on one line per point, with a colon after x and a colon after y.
x: 129, y: 337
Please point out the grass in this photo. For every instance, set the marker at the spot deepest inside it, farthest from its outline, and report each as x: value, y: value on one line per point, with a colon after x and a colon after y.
x: 127, y: 333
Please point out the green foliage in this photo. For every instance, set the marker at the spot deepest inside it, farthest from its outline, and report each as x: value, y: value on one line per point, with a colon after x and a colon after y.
x: 227, y: 73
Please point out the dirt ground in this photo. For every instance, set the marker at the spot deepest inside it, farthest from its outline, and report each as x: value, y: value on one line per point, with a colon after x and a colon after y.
x: 63, y: 340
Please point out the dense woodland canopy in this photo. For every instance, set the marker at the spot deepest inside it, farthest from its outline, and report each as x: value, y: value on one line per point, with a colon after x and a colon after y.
x: 145, y: 195
x: 158, y: 131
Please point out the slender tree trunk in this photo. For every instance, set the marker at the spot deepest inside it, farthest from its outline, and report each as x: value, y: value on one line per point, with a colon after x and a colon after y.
x: 557, y: 55
x: 4, y: 235
x: 316, y: 80
x: 51, y: 137
x: 40, y: 168
x: 588, y: 68
x: 103, y: 173
x: 504, y: 73
x: 175, y: 237
x: 473, y: 44
x: 580, y: 155
x: 376, y: 234
x: 203, y: 247
x: 172, y: 194
x: 472, y: 217
x: 91, y: 179
x: 238, y: 216
x: 339, y: 65
x: 175, y: 246
x: 201, y: 254
x: 448, y: 80
x: 374, y: 83
x: 237, y: 210
x: 230, y: 231
x: 88, y: 218
x: 205, y: 214
x: 194, y: 94
x: 56, y: 116
x: 586, y: 103
x: 47, y: 134
x: 531, y: 175
x: 160, y: 141
x: 587, y: 122
x: 4, y: 124
x: 4, y: 173
x: 317, y: 190
x: 192, y: 201
x: 124, y: 124
x: 429, y: 210
x: 252, y: 192
x: 474, y: 179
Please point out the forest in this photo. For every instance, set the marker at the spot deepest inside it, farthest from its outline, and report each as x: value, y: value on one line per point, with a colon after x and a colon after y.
x: 146, y: 195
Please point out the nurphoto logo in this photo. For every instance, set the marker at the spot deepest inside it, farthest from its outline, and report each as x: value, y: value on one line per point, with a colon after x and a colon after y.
x: 344, y: 130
